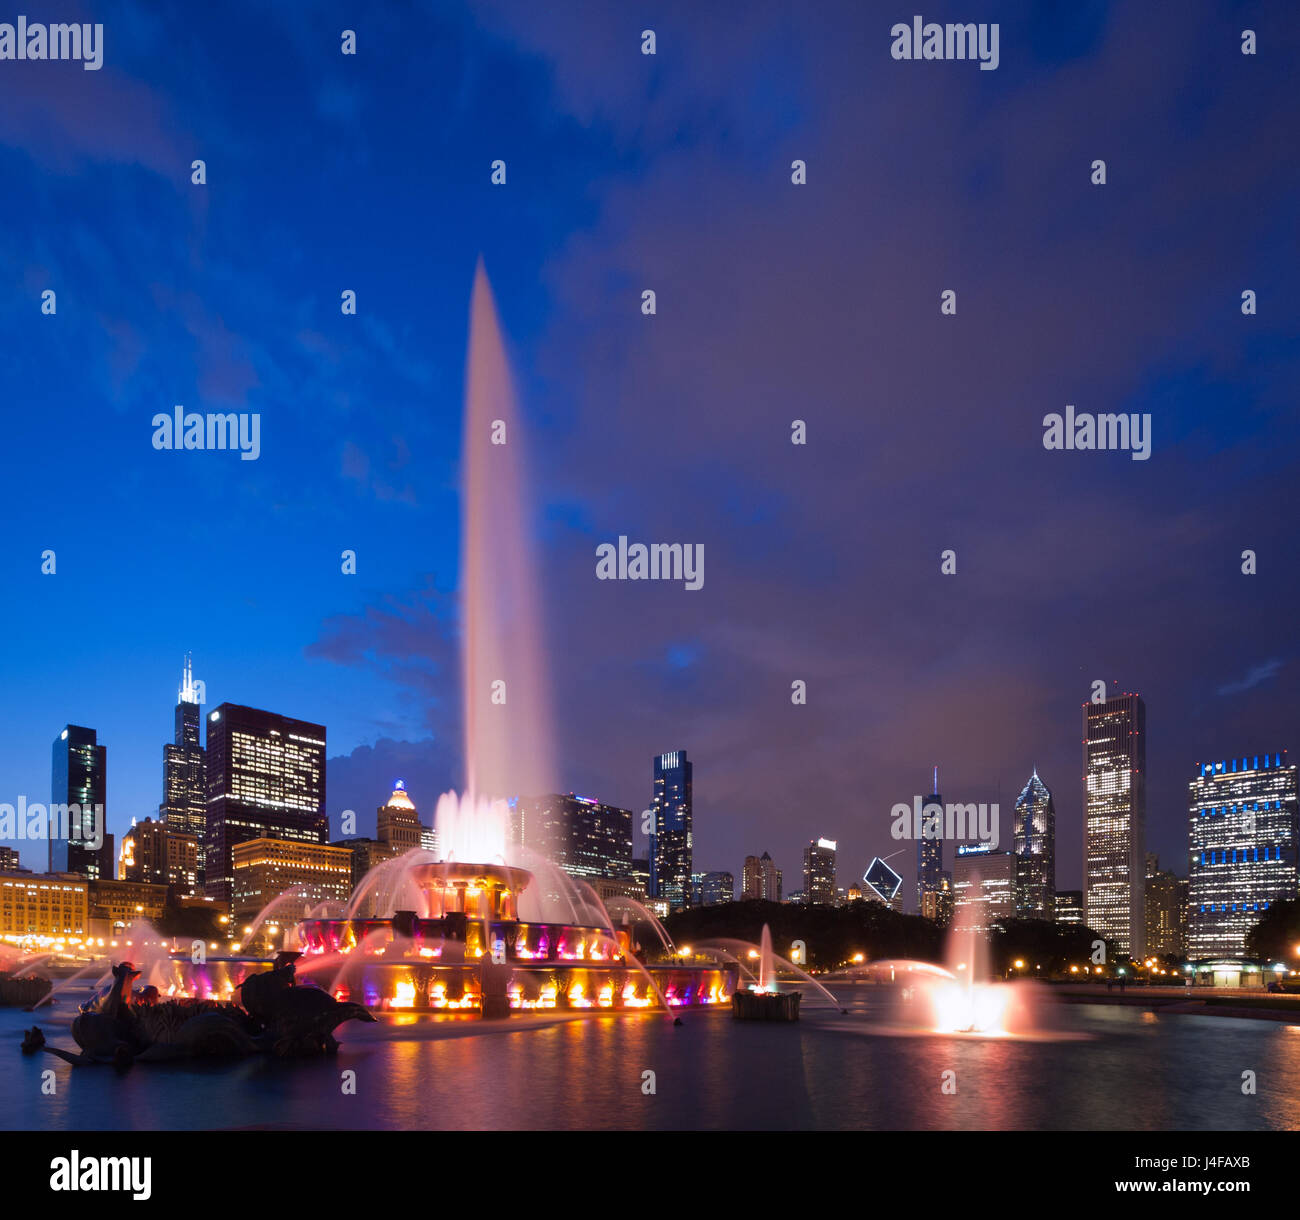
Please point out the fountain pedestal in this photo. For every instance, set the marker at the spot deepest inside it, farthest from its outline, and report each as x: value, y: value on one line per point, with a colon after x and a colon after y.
x: 494, y: 982
x: 765, y: 1005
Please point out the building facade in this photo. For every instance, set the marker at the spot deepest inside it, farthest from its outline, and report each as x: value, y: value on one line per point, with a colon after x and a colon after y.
x: 819, y: 872
x: 155, y: 853
x: 1035, y: 849
x: 584, y: 837
x: 929, y: 851
x: 1069, y: 906
x: 113, y: 906
x: 984, y: 886
x: 760, y: 879
x: 184, y: 806
x: 1114, y: 805
x: 397, y: 821
x: 937, y: 905
x: 672, y: 844
x: 79, y: 841
x: 266, y: 780
x: 1242, y: 834
x: 1166, y: 911
x: 43, y: 905
x: 264, y: 868
x: 716, y: 888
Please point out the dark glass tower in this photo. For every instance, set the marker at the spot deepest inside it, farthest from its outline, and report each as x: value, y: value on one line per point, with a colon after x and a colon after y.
x: 78, y: 805
x: 266, y: 779
x: 184, y: 805
x: 1035, y: 848
x: 672, y: 844
x: 582, y: 836
x: 929, y: 852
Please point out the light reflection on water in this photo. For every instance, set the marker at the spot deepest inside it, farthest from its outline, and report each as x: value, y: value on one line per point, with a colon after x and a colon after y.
x: 1131, y: 1070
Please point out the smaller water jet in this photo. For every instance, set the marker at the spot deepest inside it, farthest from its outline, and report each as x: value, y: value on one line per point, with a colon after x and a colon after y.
x: 761, y: 1001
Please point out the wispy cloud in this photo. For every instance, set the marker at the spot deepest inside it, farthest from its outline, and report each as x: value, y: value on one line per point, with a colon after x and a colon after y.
x: 1256, y: 675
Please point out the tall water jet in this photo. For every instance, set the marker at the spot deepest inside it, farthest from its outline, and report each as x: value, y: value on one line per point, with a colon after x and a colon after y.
x: 492, y: 926
x: 507, y: 716
x: 766, y: 965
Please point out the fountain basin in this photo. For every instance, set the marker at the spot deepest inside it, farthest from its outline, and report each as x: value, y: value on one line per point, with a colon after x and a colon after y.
x: 765, y: 1005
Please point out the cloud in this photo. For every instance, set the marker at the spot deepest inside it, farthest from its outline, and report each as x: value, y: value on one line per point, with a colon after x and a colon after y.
x: 1255, y: 676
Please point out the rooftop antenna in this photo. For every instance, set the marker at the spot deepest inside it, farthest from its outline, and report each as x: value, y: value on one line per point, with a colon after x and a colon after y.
x: 187, y: 694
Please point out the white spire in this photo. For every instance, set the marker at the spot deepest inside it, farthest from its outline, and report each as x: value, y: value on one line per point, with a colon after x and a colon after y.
x: 187, y: 692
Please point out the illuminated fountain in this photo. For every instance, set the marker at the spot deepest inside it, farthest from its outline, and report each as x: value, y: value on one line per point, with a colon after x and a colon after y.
x: 959, y: 997
x: 490, y: 938
x: 761, y: 1001
x: 491, y: 927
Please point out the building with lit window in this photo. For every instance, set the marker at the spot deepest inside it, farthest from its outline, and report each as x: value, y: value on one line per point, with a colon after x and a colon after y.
x: 367, y: 854
x: 717, y: 888
x: 1242, y: 833
x: 398, y: 822
x: 1166, y: 910
x: 761, y: 879
x: 1035, y: 849
x: 581, y: 835
x: 883, y: 885
x: 155, y: 853
x: 113, y: 906
x: 819, y: 872
x: 266, y: 780
x: 184, y: 805
x: 1114, y: 813
x: 43, y: 905
x: 984, y: 886
x: 264, y: 868
x: 937, y: 904
x: 929, y: 849
x: 672, y: 844
x: 1069, y: 906
x: 78, y: 806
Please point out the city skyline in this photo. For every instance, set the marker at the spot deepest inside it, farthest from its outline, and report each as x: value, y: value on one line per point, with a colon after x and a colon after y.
x: 178, y: 765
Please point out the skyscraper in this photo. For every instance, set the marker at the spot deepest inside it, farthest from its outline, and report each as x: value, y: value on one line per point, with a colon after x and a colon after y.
x: 397, y: 822
x: 1114, y: 815
x: 1166, y: 910
x: 266, y: 779
x: 929, y: 852
x: 184, y: 805
x: 1242, y: 833
x: 819, y: 872
x: 672, y: 847
x: 154, y: 853
x: 984, y: 886
x: 1069, y: 906
x: 582, y: 836
x: 264, y: 868
x: 1035, y: 848
x: 78, y: 806
x: 717, y: 887
x: 760, y: 879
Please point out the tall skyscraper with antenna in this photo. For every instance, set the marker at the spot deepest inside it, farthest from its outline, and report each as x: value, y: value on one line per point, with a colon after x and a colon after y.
x: 929, y: 852
x: 185, y: 798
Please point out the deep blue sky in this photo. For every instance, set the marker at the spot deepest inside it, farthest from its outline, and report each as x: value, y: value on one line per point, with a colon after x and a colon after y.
x: 775, y: 303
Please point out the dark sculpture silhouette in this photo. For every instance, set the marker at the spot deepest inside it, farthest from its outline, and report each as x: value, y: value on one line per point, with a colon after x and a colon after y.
x: 276, y: 1015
